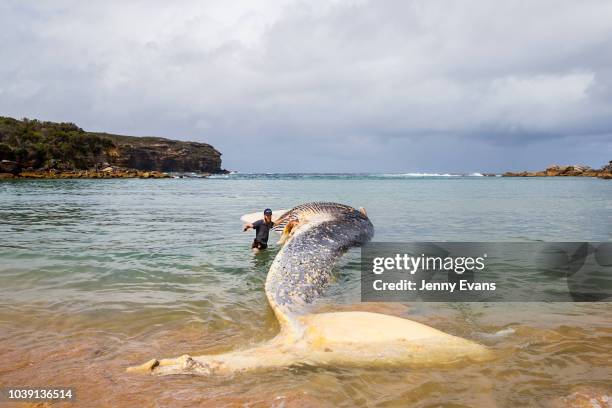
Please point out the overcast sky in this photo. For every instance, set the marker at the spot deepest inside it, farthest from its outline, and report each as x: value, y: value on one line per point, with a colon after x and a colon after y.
x: 288, y: 86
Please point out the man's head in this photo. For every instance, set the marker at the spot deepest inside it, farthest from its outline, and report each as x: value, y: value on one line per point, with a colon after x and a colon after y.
x: 268, y: 215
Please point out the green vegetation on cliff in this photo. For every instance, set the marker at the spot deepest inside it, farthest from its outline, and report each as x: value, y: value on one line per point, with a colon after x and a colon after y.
x: 35, y: 144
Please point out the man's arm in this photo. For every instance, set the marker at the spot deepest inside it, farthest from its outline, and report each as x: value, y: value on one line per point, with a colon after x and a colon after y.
x: 253, y: 225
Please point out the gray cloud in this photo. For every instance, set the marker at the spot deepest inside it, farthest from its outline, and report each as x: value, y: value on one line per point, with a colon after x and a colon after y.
x: 341, y: 86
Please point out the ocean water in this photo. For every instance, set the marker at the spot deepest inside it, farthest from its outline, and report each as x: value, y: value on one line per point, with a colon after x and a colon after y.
x: 98, y: 275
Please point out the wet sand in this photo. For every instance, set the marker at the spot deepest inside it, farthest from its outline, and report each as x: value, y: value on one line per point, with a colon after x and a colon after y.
x: 559, y: 355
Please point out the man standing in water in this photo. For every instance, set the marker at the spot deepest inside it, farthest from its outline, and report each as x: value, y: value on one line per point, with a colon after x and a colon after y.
x: 262, y: 230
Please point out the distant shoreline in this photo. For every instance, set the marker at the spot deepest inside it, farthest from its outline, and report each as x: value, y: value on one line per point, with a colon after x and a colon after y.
x: 108, y: 173
x: 30, y: 148
x: 128, y: 173
x: 567, y: 171
x: 7, y: 171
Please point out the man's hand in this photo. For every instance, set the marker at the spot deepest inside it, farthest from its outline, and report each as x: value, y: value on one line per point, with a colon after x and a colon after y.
x: 246, y: 227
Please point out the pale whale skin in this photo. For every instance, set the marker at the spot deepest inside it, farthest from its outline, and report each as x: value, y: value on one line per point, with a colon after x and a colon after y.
x: 363, y: 338
x: 299, y: 274
x: 357, y: 339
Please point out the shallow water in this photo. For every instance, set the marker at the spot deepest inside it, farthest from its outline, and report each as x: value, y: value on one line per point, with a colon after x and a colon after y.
x: 97, y: 275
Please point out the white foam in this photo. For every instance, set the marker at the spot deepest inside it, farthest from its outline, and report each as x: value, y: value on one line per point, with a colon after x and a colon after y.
x: 408, y: 175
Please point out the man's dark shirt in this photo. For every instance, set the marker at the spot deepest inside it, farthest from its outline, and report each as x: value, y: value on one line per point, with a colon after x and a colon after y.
x: 262, y: 230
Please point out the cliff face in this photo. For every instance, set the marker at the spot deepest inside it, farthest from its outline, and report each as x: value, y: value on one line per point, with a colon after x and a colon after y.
x: 35, y: 145
x: 155, y: 153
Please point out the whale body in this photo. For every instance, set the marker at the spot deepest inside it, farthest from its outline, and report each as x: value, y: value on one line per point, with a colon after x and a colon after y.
x: 314, y: 237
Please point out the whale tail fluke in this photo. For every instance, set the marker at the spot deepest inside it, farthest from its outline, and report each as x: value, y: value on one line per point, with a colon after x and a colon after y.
x: 329, y: 339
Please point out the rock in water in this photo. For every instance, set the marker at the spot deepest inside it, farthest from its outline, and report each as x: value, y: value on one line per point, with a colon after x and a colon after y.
x: 576, y: 170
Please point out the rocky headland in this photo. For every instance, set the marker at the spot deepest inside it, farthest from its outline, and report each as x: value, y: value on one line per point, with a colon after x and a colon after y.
x: 567, y: 171
x: 36, y: 149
